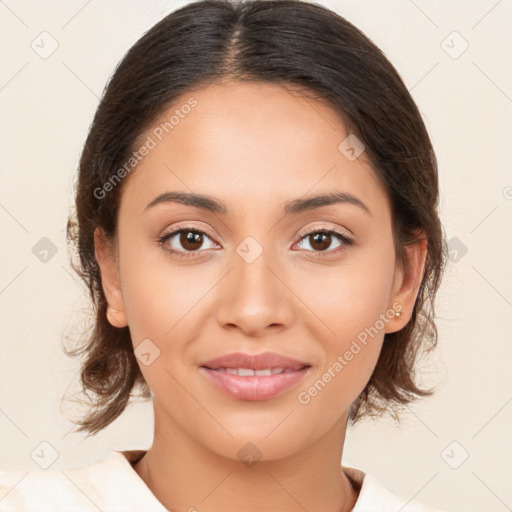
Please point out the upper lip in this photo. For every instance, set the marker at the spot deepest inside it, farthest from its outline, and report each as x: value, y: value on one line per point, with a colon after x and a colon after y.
x: 254, y: 361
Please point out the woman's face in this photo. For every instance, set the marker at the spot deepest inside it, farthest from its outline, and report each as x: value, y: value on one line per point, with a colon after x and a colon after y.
x: 254, y: 275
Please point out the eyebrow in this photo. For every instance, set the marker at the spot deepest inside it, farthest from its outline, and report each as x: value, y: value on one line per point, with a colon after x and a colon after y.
x: 296, y: 206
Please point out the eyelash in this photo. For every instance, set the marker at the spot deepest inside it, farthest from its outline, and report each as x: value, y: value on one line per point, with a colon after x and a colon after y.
x: 344, y: 239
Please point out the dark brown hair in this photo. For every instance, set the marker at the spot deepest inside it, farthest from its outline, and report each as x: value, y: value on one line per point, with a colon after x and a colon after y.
x: 295, y: 44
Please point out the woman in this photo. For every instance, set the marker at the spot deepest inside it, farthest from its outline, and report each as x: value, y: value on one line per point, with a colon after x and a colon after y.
x: 256, y: 220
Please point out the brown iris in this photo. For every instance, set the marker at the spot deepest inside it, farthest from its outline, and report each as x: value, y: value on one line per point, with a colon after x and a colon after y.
x: 191, y: 240
x: 323, y: 241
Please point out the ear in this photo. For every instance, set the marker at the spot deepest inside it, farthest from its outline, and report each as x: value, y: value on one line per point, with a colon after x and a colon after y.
x: 107, y: 261
x: 407, y: 282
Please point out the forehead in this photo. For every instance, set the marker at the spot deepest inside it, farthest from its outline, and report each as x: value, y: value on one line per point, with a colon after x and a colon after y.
x: 252, y: 141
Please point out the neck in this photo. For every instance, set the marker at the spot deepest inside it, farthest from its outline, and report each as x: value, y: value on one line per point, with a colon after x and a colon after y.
x: 185, y: 475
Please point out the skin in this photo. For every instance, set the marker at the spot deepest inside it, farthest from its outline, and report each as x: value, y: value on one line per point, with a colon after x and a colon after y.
x: 253, y: 146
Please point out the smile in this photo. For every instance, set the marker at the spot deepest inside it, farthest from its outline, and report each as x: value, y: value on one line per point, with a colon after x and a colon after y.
x: 254, y: 385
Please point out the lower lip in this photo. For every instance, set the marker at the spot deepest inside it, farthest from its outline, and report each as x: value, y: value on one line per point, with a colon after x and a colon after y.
x: 255, y: 387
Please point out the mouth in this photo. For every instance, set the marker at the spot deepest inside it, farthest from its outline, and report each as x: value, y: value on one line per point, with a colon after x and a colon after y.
x: 254, y: 377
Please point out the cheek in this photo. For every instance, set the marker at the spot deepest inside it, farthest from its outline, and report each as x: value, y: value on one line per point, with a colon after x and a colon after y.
x: 347, y: 319
x: 160, y: 297
x: 346, y: 299
x: 350, y: 338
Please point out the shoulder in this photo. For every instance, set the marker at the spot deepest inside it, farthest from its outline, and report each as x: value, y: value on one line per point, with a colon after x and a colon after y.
x: 107, y: 484
x: 375, y: 497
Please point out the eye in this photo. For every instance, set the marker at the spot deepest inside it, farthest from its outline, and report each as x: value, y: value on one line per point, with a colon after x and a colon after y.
x: 186, y: 241
x: 321, y: 239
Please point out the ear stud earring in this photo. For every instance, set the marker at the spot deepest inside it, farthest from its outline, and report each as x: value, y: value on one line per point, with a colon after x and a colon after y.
x: 114, y: 319
x: 398, y: 314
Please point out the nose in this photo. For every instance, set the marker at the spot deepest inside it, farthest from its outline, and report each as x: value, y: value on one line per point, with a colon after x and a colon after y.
x: 254, y: 297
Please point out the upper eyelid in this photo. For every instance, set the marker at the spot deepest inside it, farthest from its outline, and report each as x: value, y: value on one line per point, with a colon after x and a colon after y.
x: 179, y: 229
x: 317, y: 227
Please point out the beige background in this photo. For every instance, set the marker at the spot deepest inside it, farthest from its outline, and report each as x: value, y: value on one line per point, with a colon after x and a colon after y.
x: 47, y: 105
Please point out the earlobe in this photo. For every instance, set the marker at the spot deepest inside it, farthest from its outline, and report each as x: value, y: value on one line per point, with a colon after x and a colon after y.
x: 106, y: 258
x: 408, y: 279
x: 116, y: 317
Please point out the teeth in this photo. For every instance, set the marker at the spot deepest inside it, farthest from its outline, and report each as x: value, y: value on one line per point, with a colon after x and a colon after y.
x: 247, y: 372
x: 267, y: 371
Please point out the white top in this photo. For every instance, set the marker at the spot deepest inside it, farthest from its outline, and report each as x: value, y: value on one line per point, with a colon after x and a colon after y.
x: 112, y: 485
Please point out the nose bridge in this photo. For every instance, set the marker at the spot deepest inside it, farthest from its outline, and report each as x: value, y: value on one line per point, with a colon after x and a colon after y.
x: 253, y: 297
x: 251, y: 267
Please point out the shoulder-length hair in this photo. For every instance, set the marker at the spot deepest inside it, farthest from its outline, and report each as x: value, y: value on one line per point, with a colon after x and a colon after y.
x: 289, y: 42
